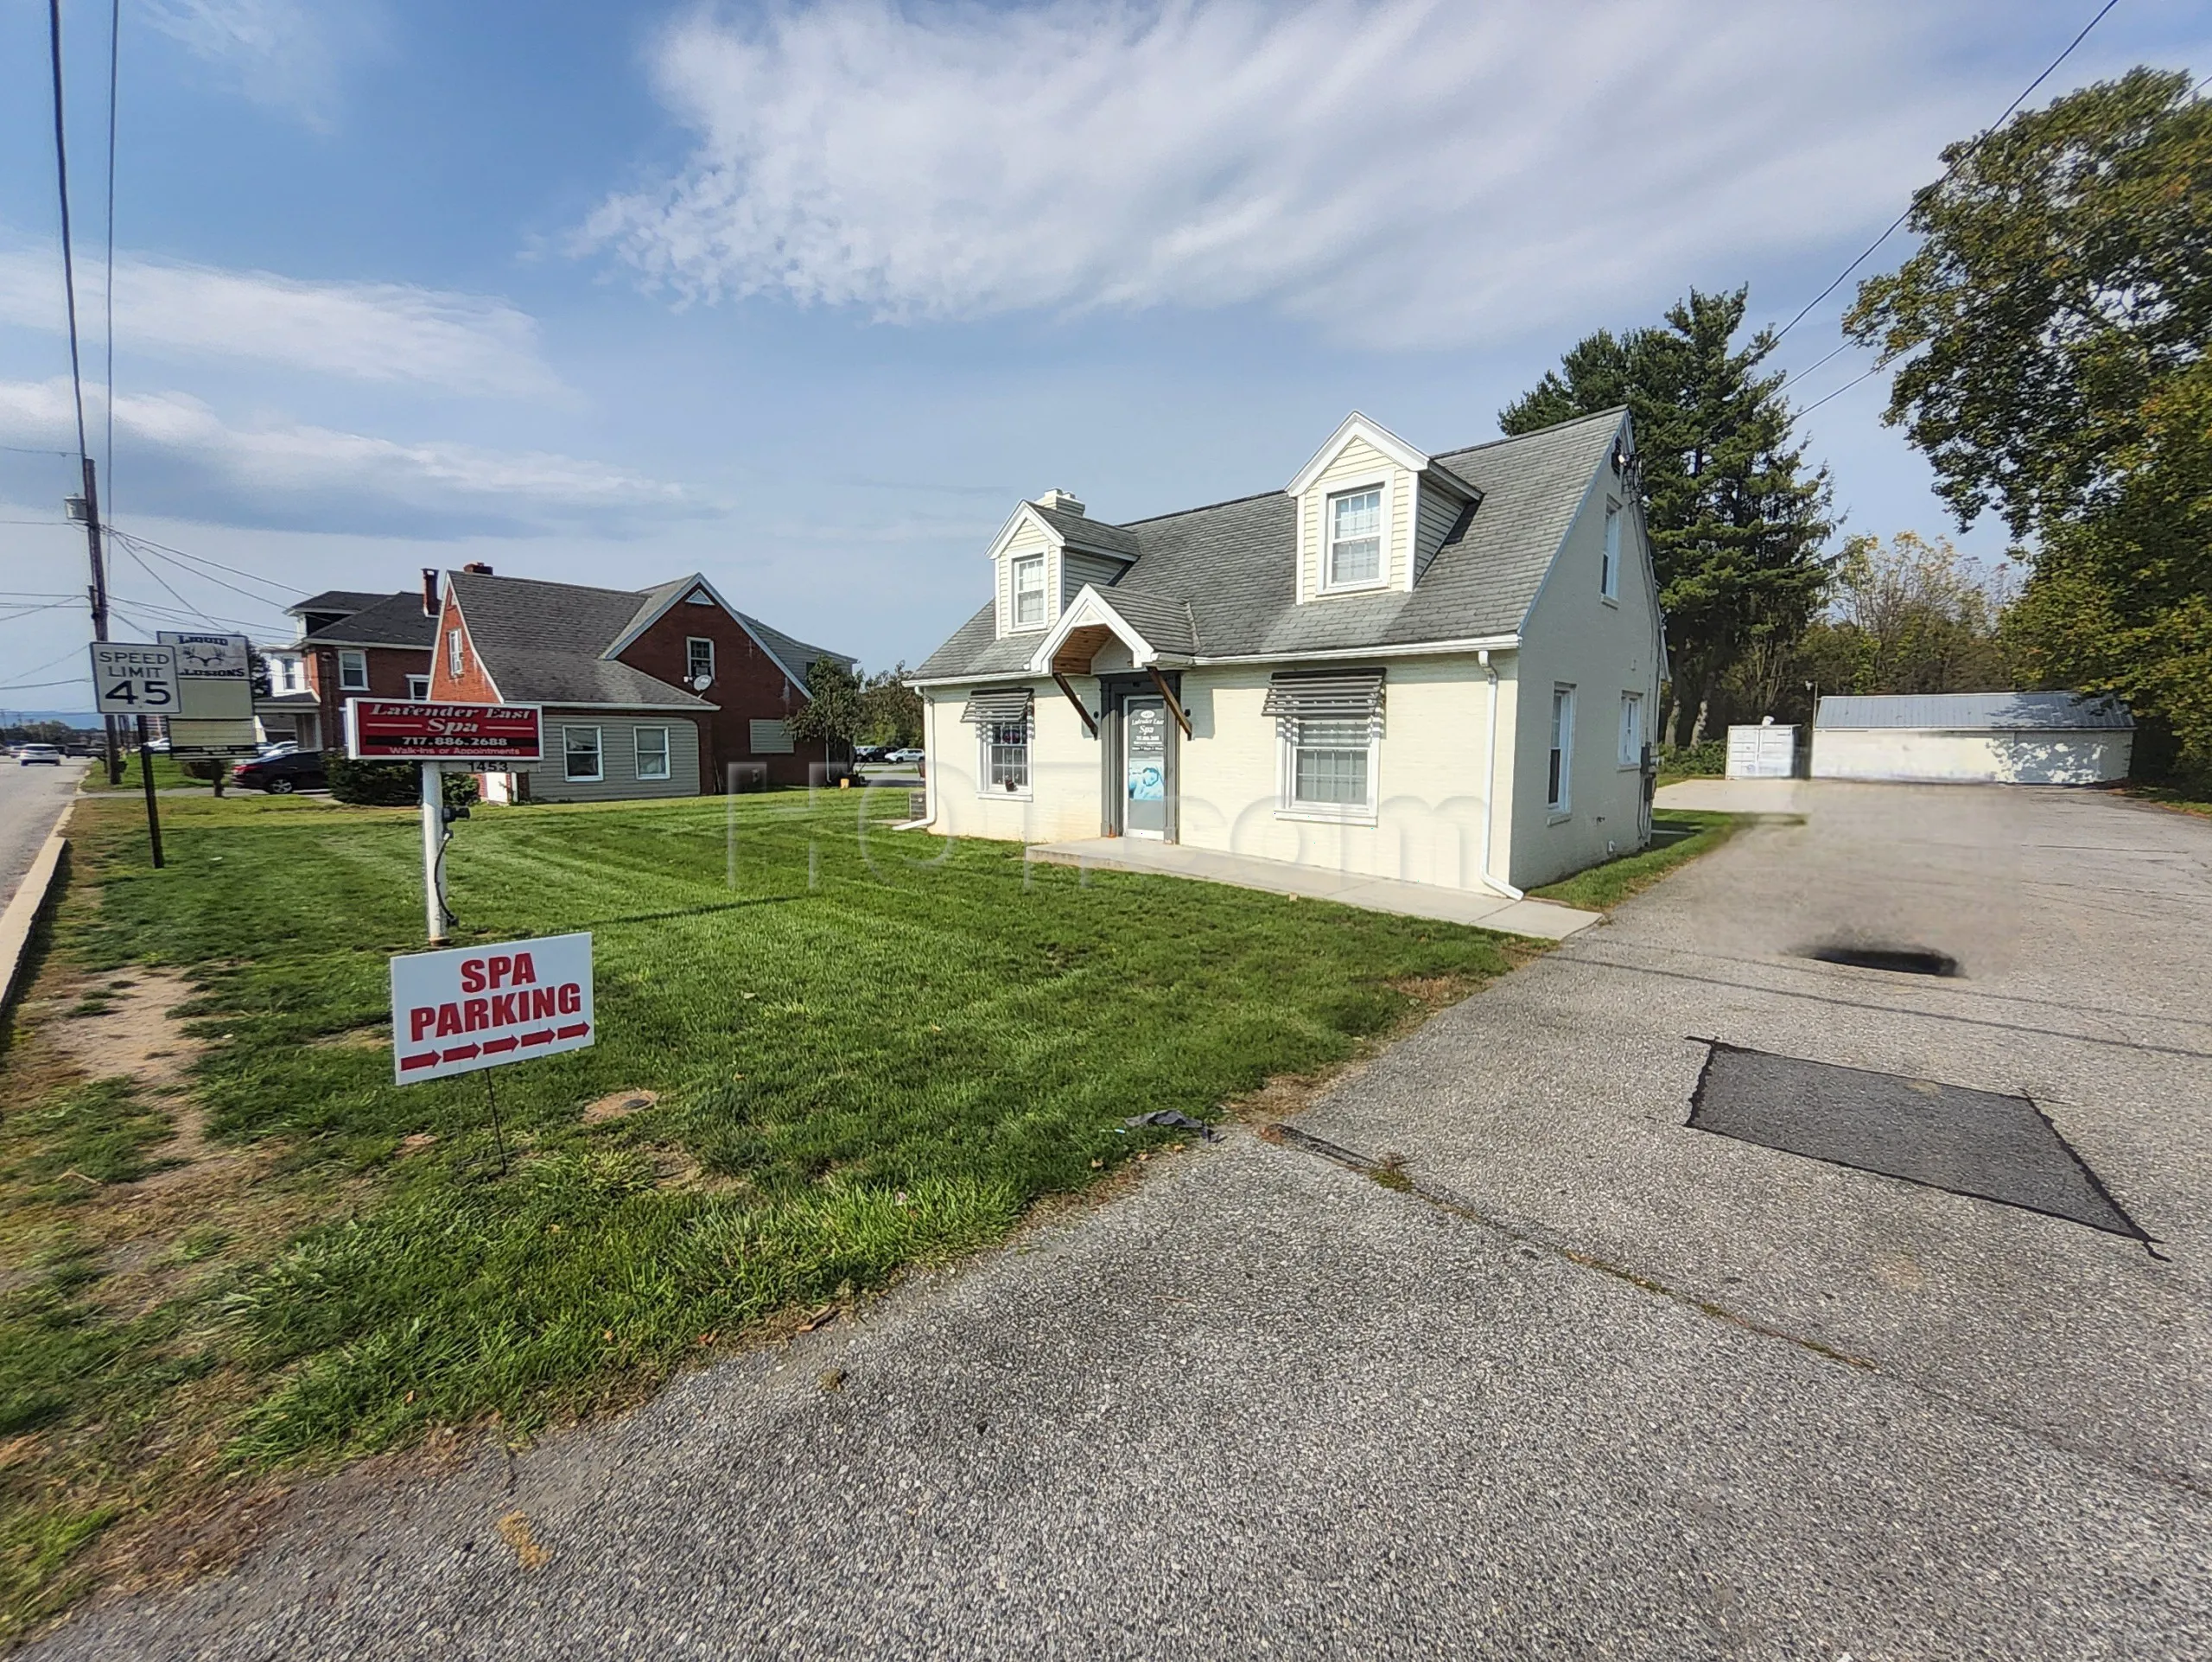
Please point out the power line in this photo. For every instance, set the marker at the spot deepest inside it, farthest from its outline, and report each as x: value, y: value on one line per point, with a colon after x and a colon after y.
x: 186, y: 614
x: 40, y: 669
x: 1837, y: 393
x: 165, y: 583
x: 1788, y: 378
x: 25, y: 449
x: 193, y: 561
x: 61, y: 170
x: 114, y: 59
x: 1965, y: 156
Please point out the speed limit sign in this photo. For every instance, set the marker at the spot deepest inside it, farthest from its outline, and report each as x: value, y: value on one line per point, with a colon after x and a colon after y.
x: 134, y: 679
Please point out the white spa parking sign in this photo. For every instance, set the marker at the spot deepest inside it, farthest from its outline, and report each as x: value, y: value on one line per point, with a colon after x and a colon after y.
x: 474, y: 1007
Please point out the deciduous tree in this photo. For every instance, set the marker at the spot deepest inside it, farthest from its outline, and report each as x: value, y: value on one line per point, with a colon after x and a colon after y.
x: 831, y: 715
x: 2051, y: 334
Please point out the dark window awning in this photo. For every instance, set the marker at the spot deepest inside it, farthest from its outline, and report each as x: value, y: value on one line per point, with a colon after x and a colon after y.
x: 1324, y: 695
x: 989, y: 706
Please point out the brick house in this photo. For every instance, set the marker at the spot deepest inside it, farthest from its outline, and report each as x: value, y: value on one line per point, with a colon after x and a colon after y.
x: 669, y: 690
x: 350, y: 645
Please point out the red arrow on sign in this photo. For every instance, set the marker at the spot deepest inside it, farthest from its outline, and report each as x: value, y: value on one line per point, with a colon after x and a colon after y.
x: 428, y: 1058
x: 460, y: 1054
x: 542, y: 1036
x: 575, y: 1032
x: 495, y: 1047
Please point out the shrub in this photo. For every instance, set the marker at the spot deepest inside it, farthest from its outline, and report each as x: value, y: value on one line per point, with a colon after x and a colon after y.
x: 389, y: 784
x: 1707, y: 760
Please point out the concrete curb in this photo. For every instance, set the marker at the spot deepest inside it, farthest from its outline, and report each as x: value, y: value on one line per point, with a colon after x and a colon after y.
x: 23, y: 913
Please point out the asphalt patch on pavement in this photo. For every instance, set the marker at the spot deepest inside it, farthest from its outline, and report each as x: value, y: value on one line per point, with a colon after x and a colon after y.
x: 1896, y: 960
x: 1983, y: 1143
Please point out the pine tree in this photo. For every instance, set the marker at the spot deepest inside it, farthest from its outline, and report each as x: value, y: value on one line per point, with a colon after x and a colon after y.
x: 1737, y: 517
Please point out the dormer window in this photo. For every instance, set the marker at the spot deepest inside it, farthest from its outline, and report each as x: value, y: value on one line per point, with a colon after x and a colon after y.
x: 1029, y: 592
x: 1355, y: 557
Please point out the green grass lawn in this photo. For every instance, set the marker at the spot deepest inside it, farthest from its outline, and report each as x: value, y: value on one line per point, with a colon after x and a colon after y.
x: 870, y: 1051
x: 1677, y: 835
x: 168, y: 773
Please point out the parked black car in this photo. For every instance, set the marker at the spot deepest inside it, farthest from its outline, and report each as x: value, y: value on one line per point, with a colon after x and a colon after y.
x: 295, y: 770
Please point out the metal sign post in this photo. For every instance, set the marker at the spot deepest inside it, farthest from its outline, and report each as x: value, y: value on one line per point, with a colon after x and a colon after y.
x: 146, y: 771
x: 472, y: 1008
x: 137, y: 678
x: 434, y: 853
x: 478, y: 736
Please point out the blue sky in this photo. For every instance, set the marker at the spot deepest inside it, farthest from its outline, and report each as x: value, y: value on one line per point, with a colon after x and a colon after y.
x: 807, y: 296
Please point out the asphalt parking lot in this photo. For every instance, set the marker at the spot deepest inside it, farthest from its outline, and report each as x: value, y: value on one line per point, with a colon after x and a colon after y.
x: 1597, y: 1384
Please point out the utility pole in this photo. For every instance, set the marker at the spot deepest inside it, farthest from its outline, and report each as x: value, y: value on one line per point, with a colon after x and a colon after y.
x: 98, y: 592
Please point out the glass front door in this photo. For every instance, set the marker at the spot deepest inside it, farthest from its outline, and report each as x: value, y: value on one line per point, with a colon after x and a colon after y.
x: 1144, y: 768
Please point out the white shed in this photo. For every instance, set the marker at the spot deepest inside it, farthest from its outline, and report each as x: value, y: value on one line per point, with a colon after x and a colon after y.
x: 1762, y: 752
x: 1989, y: 738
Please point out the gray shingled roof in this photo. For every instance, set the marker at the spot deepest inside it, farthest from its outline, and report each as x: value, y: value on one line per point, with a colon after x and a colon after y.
x: 544, y: 641
x: 1974, y: 712
x: 796, y: 656
x: 1086, y: 532
x: 1167, y: 624
x: 1234, y: 564
x: 387, y: 621
x: 336, y: 600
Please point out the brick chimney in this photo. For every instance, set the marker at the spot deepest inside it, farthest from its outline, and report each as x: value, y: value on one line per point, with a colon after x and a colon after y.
x: 429, y: 591
x: 477, y: 568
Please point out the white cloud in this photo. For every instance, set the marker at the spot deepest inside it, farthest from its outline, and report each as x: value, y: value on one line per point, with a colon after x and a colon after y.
x: 284, y: 55
x: 390, y: 331
x: 1403, y: 172
x: 182, y: 461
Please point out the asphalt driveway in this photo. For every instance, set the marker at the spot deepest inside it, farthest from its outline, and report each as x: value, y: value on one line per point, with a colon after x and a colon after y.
x: 1599, y: 1386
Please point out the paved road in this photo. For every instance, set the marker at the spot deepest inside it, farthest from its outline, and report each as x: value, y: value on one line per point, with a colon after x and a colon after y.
x: 31, y: 799
x: 1264, y: 1406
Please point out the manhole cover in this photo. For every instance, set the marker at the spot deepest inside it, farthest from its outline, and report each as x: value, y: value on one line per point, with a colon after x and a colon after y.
x: 1979, y: 1142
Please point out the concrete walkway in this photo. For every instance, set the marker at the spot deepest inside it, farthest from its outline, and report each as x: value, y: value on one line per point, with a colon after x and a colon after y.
x: 1790, y: 796
x: 1545, y: 920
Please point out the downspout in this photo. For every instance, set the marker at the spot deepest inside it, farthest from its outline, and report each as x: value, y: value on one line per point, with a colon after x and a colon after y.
x: 929, y: 773
x: 930, y: 752
x: 1489, y: 789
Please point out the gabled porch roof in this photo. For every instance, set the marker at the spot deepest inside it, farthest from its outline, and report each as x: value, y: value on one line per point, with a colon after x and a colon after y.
x: 1159, y: 633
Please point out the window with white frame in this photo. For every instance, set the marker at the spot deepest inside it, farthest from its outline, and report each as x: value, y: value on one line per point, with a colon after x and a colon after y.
x: 352, y: 671
x: 579, y: 757
x: 1559, y: 780
x: 651, y: 752
x: 418, y: 687
x: 1355, y: 554
x: 1029, y: 592
x: 1329, y: 768
x: 698, y: 657
x: 1632, y: 730
x: 1005, y: 758
x: 1609, y: 571
x: 455, y: 661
